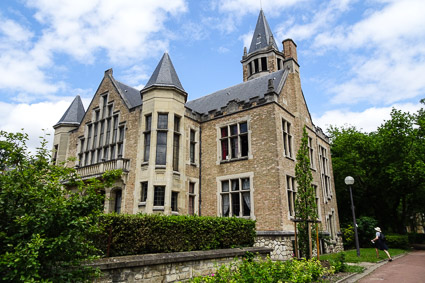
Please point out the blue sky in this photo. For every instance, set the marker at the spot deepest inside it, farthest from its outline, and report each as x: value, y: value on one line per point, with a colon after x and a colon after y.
x: 358, y: 58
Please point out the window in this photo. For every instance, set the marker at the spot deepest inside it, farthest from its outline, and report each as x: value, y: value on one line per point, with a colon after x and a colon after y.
x: 161, y: 139
x: 159, y: 196
x: 291, y: 191
x: 105, y: 101
x: 89, y: 137
x: 176, y: 143
x: 121, y: 141
x: 118, y: 198
x: 234, y: 141
x: 310, y: 152
x: 264, y: 63
x: 256, y: 67
x: 235, y: 197
x: 99, y: 155
x: 55, y: 153
x: 287, y: 138
x: 93, y: 157
x: 192, y: 197
x: 105, y: 153
x: 147, y: 134
x: 110, y: 108
x: 114, y: 133
x: 95, y: 135
x: 174, y: 201
x: 324, y: 172
x: 331, y: 222
x: 108, y: 131
x: 144, y: 192
x: 112, y: 156
x: 102, y: 130
x: 249, y: 69
x: 279, y: 62
x: 192, y: 146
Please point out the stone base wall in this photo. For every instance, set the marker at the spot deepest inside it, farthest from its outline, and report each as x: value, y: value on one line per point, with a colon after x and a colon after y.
x: 282, y: 245
x: 169, y: 267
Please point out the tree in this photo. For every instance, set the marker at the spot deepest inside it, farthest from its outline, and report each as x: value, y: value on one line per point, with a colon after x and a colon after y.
x: 388, y: 166
x: 44, y: 227
x: 305, y: 202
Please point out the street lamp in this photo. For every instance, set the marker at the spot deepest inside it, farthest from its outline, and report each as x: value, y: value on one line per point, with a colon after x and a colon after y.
x: 349, y: 181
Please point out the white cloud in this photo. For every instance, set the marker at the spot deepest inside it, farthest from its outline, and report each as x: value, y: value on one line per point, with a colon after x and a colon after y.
x: 367, y: 120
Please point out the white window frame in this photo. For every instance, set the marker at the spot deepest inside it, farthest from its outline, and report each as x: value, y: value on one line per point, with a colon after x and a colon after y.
x: 219, y: 180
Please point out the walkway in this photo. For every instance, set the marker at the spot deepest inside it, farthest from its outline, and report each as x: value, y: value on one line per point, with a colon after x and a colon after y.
x: 407, y: 269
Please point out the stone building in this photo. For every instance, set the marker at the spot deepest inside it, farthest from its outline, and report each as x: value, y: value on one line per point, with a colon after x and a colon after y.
x: 229, y: 153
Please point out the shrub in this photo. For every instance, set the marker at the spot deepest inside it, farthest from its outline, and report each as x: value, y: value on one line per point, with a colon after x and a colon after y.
x: 415, y: 238
x: 267, y: 271
x: 365, y: 230
x: 339, y: 263
x: 348, y: 236
x: 142, y: 233
x: 397, y: 241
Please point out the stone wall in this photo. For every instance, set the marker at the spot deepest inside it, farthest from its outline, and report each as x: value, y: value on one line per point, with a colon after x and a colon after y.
x: 169, y: 267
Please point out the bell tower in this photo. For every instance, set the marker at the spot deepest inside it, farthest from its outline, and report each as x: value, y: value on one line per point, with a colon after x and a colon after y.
x: 263, y: 56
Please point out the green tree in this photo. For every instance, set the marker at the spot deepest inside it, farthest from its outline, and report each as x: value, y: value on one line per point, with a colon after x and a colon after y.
x: 44, y: 227
x: 305, y: 202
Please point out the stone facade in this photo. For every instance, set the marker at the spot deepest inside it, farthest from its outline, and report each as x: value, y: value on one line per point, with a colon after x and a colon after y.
x: 231, y: 153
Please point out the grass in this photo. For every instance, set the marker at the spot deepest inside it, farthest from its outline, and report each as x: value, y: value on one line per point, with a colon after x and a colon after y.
x: 366, y: 255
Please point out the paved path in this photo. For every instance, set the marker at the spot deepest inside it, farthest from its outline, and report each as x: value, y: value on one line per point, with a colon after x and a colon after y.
x: 407, y: 269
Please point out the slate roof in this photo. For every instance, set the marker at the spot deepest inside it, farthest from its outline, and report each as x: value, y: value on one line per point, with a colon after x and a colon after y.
x: 261, y: 36
x: 74, y: 114
x: 130, y: 95
x: 241, y: 92
x: 164, y: 75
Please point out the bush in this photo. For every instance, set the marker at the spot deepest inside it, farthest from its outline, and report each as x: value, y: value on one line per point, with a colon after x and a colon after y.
x: 267, y: 271
x: 397, y: 241
x: 348, y: 236
x: 142, y: 233
x: 365, y: 230
x: 415, y: 238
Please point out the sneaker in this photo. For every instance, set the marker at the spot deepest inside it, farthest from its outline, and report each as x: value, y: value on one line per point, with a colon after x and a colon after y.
x: 390, y: 259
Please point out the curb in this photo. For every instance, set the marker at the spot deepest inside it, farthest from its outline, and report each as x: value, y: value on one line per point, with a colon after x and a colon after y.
x: 357, y: 276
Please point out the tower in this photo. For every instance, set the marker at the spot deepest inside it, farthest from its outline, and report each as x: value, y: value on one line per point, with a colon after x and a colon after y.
x: 263, y: 56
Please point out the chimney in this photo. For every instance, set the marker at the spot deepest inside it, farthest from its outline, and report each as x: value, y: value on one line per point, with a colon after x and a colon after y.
x: 290, y: 49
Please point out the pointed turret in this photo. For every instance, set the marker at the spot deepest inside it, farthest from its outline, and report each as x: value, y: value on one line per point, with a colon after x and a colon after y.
x: 164, y: 76
x: 262, y: 36
x: 74, y: 114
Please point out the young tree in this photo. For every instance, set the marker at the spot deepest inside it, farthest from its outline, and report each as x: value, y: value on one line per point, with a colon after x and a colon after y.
x: 44, y: 227
x: 305, y: 203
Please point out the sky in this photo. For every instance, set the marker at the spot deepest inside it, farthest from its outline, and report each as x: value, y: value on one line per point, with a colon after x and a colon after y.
x: 358, y: 59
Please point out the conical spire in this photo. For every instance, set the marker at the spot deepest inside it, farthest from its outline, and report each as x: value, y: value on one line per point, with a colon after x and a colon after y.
x: 164, y: 75
x: 262, y: 36
x: 74, y: 114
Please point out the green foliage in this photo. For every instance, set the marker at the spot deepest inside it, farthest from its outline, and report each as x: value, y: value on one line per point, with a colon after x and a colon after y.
x: 339, y: 263
x: 267, y: 271
x: 388, y: 166
x: 366, y: 255
x: 305, y: 203
x: 415, y: 238
x: 365, y: 230
x: 44, y: 227
x: 397, y: 241
x: 348, y: 236
x: 153, y: 233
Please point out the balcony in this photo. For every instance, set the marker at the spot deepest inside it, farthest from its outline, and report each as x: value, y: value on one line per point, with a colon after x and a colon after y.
x: 96, y: 170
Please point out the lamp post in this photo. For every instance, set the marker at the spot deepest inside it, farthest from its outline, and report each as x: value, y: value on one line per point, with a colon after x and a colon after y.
x: 349, y: 181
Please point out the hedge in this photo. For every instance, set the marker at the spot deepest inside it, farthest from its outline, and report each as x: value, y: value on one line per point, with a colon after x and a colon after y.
x: 415, y: 238
x: 397, y: 241
x: 141, y: 233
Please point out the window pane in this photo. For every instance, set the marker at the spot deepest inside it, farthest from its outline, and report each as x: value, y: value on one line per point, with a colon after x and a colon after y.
x: 148, y: 122
x: 233, y: 130
x: 224, y: 132
x: 244, y: 145
x: 147, y: 146
x: 176, y: 147
x: 225, y: 205
x: 174, y: 199
x: 176, y: 124
x: 118, y: 196
x: 159, y: 196
x: 144, y: 192
x: 162, y: 121
x: 235, y: 185
x: 235, y: 204
x: 234, y: 147
x: 224, y: 149
x: 245, y: 184
x: 161, y: 148
x: 191, y: 205
x: 225, y: 186
x: 243, y: 127
x: 191, y: 188
x: 246, y: 201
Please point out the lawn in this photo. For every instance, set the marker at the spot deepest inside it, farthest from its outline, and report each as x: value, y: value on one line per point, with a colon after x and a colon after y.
x: 366, y: 255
